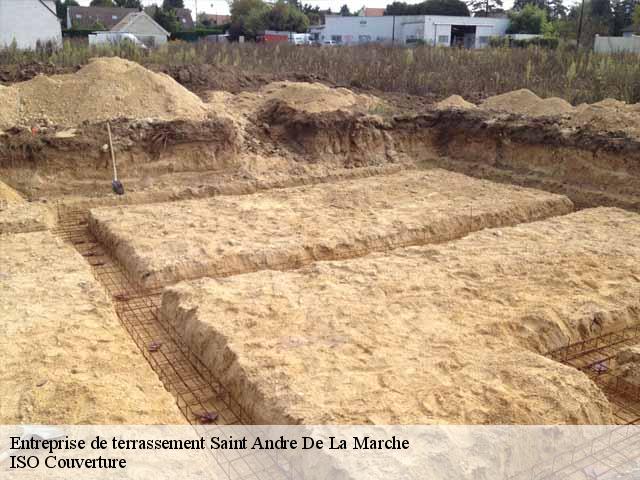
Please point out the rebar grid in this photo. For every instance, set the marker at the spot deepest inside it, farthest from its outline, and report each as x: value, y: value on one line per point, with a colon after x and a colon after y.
x: 201, y: 398
x: 199, y: 395
x: 602, y: 458
x: 594, y: 357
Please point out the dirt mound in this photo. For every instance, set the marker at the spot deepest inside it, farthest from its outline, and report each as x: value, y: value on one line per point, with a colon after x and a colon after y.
x: 8, y: 107
x: 106, y: 88
x: 608, y: 115
x: 316, y: 97
x: 551, y: 106
x: 513, y: 102
x: 525, y: 102
x: 455, y: 101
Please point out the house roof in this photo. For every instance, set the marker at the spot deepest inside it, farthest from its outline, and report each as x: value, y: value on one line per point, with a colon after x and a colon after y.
x: 132, y: 23
x: 49, y: 5
x: 87, y: 17
x: 373, y: 12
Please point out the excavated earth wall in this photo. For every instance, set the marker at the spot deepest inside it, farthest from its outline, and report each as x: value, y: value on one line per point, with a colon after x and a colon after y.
x: 447, y: 333
x: 142, y: 148
x: 592, y: 167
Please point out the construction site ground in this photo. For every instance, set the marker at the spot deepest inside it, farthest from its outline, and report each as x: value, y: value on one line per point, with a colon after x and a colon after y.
x: 459, y: 325
x: 287, y: 228
x: 66, y: 358
x: 388, y: 276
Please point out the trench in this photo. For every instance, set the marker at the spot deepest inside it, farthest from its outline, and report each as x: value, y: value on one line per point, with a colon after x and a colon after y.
x: 199, y: 395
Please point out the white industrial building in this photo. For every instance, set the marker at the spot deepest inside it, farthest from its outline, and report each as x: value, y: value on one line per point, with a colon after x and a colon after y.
x: 469, y: 32
x: 29, y: 22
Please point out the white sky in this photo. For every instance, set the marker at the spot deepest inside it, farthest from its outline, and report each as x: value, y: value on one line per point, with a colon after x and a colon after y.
x: 221, y: 7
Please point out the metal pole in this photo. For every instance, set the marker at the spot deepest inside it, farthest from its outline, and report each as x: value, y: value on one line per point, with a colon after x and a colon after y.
x: 393, y: 31
x: 580, y: 26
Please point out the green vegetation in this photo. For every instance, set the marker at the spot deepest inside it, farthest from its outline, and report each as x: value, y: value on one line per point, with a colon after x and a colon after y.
x: 429, y: 7
x: 251, y: 17
x: 531, y: 19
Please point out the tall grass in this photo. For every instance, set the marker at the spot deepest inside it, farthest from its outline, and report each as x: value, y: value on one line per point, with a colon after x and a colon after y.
x: 576, y: 76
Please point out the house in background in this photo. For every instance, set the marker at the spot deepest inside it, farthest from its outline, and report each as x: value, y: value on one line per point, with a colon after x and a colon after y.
x: 88, y: 18
x: 371, y: 12
x: 138, y: 27
x: 29, y: 22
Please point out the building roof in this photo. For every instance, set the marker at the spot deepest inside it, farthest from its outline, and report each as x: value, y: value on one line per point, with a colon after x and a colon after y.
x: 134, y: 22
x: 372, y: 12
x: 87, y: 17
x: 49, y: 5
x: 182, y: 14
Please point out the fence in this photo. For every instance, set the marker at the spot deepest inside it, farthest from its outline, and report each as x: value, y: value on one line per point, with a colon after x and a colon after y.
x: 617, y: 44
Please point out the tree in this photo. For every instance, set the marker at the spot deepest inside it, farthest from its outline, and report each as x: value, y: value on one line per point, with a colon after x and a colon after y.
x: 429, y: 7
x: 61, y: 8
x: 101, y: 3
x: 636, y: 18
x: 344, y: 11
x: 251, y: 17
x: 530, y: 19
x: 556, y: 9
x: 167, y: 19
x: 129, y: 4
x: 483, y: 8
x: 172, y: 4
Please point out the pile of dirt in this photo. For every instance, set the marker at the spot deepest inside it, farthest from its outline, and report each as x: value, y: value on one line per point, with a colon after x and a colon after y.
x: 316, y: 97
x: 525, y: 102
x: 454, y: 101
x: 628, y: 364
x: 105, y: 89
x: 8, y: 107
x: 608, y: 115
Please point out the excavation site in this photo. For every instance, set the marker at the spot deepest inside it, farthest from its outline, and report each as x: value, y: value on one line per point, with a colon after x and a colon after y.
x: 293, y: 252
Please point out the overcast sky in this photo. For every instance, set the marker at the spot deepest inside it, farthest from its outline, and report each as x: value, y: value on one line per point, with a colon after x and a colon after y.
x: 222, y: 7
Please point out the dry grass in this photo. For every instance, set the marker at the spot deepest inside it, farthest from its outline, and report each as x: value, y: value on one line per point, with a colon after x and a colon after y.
x: 576, y: 76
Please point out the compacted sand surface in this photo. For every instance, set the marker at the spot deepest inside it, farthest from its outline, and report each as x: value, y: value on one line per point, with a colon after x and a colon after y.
x: 445, y: 333
x: 65, y: 357
x: 281, y: 229
x: 21, y: 216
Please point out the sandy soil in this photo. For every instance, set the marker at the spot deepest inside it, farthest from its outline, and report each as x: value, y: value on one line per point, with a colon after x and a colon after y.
x: 283, y: 229
x: 17, y: 217
x: 444, y: 333
x: 525, y: 102
x: 627, y: 364
x: 455, y: 101
x: 107, y: 88
x: 8, y: 194
x: 65, y: 357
